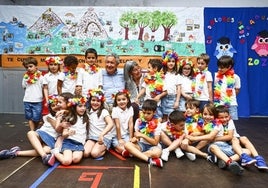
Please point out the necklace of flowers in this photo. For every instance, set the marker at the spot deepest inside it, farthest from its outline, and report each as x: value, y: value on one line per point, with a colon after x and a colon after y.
x: 208, y: 127
x: 173, y: 132
x: 147, y: 128
x: 69, y: 74
x: 230, y: 81
x: 190, y: 120
x: 201, y: 83
x: 32, y: 78
x: 155, y: 82
x: 91, y: 69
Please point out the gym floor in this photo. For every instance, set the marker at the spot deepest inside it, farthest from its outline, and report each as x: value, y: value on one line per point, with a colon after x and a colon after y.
x: 118, y: 172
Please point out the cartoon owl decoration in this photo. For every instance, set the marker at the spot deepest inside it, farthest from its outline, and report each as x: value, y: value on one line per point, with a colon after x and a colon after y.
x: 261, y: 43
x: 224, y: 47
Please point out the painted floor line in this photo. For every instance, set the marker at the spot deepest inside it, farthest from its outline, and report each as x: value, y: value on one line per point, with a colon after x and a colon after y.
x: 136, y: 177
x: 17, y: 169
x: 44, y: 175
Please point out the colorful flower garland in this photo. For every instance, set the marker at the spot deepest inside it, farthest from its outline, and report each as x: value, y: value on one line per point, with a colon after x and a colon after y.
x: 208, y: 127
x: 169, y: 54
x: 91, y: 69
x: 53, y: 59
x: 98, y: 93
x: 53, y: 99
x: 147, y: 128
x: 190, y: 120
x: 230, y: 81
x: 32, y: 78
x: 124, y: 91
x: 155, y: 82
x: 69, y: 74
x: 173, y: 132
x: 198, y: 92
x: 184, y: 62
x: 76, y: 101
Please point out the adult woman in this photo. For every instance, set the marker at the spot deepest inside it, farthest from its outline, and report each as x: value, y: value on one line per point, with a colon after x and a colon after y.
x: 133, y: 79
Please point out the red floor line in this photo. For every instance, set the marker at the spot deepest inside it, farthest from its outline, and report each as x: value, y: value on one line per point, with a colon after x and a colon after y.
x: 117, y: 155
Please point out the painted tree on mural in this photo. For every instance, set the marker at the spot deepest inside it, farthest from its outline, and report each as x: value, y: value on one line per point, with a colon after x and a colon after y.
x: 168, y: 19
x: 128, y: 20
x: 143, y: 20
x: 155, y: 20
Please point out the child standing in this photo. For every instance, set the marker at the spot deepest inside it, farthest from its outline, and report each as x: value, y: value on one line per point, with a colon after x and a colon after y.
x: 172, y: 134
x: 101, y: 123
x: 67, y: 79
x: 32, y: 84
x: 145, y: 143
x: 74, y: 136
x: 226, y: 85
x: 186, y: 74
x: 51, y: 77
x: 42, y: 140
x: 172, y: 83
x: 122, y: 115
x: 89, y: 76
x: 202, y: 81
x: 153, y: 85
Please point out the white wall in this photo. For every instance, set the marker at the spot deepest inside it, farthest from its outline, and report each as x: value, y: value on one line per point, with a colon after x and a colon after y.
x: 152, y: 3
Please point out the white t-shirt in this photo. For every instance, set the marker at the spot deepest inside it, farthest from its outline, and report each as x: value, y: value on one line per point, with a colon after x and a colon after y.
x: 186, y: 84
x: 33, y: 92
x: 204, y: 96
x: 88, y: 80
x: 98, y: 124
x: 123, y: 116
x: 48, y: 128
x: 171, y: 82
x: 80, y: 131
x: 68, y: 84
x: 231, y: 126
x: 51, y: 80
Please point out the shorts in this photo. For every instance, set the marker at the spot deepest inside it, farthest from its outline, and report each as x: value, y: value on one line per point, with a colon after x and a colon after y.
x: 69, y: 144
x: 115, y: 140
x: 167, y: 104
x: 224, y: 147
x: 233, y: 112
x: 46, y: 138
x: 107, y: 142
x: 33, y: 111
x: 145, y: 147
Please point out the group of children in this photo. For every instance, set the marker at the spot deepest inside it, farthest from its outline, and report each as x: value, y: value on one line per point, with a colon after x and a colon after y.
x: 177, y: 113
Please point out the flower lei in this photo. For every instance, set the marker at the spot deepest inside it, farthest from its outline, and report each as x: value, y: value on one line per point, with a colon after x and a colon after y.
x: 69, y: 74
x: 169, y: 54
x: 229, y: 89
x: 208, y: 127
x: 76, y: 101
x: 53, y: 99
x: 184, y: 62
x: 124, y: 91
x: 91, y: 69
x: 98, y: 93
x: 201, y: 83
x: 147, y: 128
x: 173, y: 132
x: 32, y: 78
x: 190, y: 120
x: 53, y: 59
x: 155, y: 82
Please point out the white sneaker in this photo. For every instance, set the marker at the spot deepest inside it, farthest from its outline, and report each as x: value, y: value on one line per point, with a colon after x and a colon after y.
x: 190, y: 156
x: 165, y: 154
x: 178, y: 153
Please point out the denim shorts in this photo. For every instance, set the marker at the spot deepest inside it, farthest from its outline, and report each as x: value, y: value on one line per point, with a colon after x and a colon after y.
x: 182, y: 104
x: 69, y: 144
x: 167, y: 104
x: 33, y: 111
x: 46, y: 138
x: 224, y: 147
x: 145, y: 147
x: 115, y: 141
x: 233, y: 112
x: 107, y: 142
